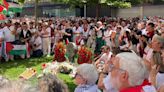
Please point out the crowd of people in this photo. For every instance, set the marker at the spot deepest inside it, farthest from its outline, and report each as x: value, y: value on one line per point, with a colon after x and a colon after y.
x: 129, y: 52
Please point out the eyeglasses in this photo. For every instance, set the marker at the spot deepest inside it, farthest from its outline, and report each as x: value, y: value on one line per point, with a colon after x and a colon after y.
x: 112, y: 67
x: 77, y: 74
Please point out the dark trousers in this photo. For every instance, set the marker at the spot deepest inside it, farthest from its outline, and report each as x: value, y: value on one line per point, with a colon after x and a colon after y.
x: 37, y: 53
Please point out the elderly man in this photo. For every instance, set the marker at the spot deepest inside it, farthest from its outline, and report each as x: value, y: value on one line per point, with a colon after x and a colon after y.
x: 128, y: 74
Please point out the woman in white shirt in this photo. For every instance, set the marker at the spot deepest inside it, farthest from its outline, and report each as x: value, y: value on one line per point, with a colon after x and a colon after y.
x: 108, y: 35
x: 46, y: 41
x: 77, y: 30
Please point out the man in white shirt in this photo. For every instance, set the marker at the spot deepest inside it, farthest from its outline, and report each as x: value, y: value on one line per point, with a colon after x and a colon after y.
x: 9, y: 36
x: 9, y: 32
x: 37, y: 46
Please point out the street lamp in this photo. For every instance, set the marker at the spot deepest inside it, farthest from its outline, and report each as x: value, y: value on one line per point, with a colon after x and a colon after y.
x: 85, y: 8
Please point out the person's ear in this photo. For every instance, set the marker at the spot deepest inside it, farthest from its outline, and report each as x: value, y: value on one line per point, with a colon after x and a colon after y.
x: 124, y: 76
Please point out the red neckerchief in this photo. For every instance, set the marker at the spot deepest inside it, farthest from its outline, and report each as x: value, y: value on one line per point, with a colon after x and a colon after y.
x: 137, y: 88
x: 150, y: 34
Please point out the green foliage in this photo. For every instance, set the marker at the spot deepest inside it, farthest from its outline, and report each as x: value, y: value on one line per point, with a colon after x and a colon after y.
x: 21, y: 1
x: 115, y: 3
x: 120, y: 4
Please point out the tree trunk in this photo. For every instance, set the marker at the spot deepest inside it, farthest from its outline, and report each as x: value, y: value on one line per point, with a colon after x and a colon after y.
x: 97, y: 10
x: 36, y: 10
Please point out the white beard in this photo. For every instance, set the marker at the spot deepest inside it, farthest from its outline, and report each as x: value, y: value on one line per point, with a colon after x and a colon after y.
x: 115, y: 82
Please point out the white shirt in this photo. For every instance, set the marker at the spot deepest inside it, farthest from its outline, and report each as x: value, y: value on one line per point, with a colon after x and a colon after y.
x: 106, y: 57
x: 47, y: 30
x: 124, y: 30
x: 99, y: 33
x: 85, y: 33
x: 24, y: 33
x: 78, y: 30
x: 8, y: 36
x: 148, y: 53
x: 108, y: 34
x: 38, y: 41
x: 32, y: 30
x: 159, y: 80
x: 52, y: 26
x: 144, y: 32
x: 1, y: 33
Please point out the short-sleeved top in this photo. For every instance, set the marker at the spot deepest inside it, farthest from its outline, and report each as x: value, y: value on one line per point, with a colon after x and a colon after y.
x: 38, y: 41
x: 32, y: 30
x: 100, y: 33
x: 108, y: 34
x: 148, y: 53
x: 79, y: 30
x: 8, y: 36
x: 47, y: 30
x: 106, y: 57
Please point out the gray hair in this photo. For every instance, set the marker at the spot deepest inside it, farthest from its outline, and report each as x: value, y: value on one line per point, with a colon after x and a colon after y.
x: 135, y: 67
x: 88, y: 72
x: 159, y: 38
x: 18, y: 86
x: 3, y: 81
x: 50, y: 83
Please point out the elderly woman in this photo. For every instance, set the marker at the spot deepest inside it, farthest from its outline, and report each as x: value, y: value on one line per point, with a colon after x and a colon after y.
x: 86, y: 78
x: 156, y: 78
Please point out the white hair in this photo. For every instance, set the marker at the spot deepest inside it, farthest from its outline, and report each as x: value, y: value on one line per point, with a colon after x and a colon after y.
x: 3, y: 81
x: 18, y: 86
x: 88, y: 72
x: 135, y: 67
x: 99, y: 22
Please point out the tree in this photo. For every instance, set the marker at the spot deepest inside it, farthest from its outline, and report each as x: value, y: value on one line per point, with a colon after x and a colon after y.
x: 21, y: 1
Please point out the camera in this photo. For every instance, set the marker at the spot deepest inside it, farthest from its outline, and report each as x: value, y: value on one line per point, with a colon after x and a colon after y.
x: 92, y: 27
